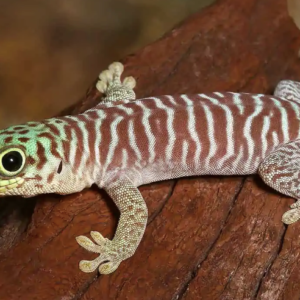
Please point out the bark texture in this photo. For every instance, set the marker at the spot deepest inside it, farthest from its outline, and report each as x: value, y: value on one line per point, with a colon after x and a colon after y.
x: 208, y: 237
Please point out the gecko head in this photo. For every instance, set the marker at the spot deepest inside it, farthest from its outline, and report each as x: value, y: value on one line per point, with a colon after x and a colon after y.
x: 31, y: 162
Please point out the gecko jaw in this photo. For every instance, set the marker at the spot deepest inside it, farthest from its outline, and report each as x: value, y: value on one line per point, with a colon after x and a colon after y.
x: 10, y: 184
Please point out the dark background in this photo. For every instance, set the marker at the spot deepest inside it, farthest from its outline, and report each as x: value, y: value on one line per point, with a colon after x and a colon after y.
x: 51, y: 50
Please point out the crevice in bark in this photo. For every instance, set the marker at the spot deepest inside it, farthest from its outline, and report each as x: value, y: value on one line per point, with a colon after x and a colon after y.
x: 273, y: 259
x: 193, y: 273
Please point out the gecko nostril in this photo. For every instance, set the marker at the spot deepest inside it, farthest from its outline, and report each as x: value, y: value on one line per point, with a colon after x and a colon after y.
x: 59, y: 168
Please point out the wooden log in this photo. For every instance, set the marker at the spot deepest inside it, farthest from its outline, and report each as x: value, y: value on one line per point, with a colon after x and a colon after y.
x: 207, y: 237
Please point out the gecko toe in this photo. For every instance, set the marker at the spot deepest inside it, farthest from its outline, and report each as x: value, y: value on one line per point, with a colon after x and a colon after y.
x: 295, y: 205
x: 88, y: 266
x: 116, y: 68
x: 291, y: 216
x: 108, y: 267
x: 98, y: 238
x: 87, y: 244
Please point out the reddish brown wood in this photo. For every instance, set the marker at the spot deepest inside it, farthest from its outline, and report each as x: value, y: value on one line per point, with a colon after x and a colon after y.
x: 208, y: 237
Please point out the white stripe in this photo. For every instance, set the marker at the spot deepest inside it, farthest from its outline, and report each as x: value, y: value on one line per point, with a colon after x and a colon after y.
x: 264, y: 132
x: 98, y: 138
x: 170, y: 128
x: 229, y: 129
x: 185, y: 147
x: 275, y: 139
x: 236, y: 164
x: 128, y: 110
x: 74, y: 149
x: 247, y: 129
x: 238, y: 102
x: 295, y: 108
x: 132, y: 141
x: 124, y: 158
x: 211, y: 134
x: 113, y: 143
x: 192, y: 127
x: 171, y: 99
x: 147, y: 128
x: 219, y: 94
x: 284, y: 120
x: 86, y: 150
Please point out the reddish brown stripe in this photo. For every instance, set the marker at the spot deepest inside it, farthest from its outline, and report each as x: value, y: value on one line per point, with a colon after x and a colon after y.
x: 38, y: 177
x: 32, y: 124
x: 18, y: 127
x: 90, y: 127
x: 30, y: 160
x: 24, y: 131
x: 78, y: 155
x: 159, y: 128
x: 140, y: 135
x: 58, y: 121
x: 8, y: 139
x: 23, y: 140
x: 53, y: 129
x: 105, y: 138
x: 292, y: 119
x: 93, y: 115
x: 41, y: 155
x: 67, y: 143
x: 53, y: 143
x: 50, y: 177
x: 79, y: 148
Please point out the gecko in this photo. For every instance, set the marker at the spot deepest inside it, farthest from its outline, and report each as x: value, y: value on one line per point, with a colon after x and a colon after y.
x: 124, y: 142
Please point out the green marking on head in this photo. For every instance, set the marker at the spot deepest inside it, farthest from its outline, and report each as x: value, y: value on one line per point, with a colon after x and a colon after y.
x: 32, y: 160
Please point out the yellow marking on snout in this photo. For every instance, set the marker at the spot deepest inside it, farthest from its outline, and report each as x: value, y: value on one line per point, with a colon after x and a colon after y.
x: 10, y: 184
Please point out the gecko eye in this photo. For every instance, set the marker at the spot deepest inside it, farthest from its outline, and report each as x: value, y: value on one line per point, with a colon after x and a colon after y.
x: 12, y: 161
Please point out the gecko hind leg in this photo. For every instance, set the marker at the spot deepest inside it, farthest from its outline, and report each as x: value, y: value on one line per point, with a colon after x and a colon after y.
x: 288, y: 89
x: 281, y: 171
x: 113, y: 87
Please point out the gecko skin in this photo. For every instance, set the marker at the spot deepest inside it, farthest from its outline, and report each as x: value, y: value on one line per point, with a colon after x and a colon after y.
x: 121, y: 144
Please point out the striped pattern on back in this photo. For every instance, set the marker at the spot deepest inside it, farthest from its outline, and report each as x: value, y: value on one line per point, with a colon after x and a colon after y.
x: 218, y: 133
x: 165, y: 137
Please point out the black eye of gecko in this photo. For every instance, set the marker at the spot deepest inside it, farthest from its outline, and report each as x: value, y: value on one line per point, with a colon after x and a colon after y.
x: 12, y: 162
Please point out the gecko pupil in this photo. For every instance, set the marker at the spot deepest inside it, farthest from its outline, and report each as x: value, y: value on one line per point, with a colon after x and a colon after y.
x: 12, y: 161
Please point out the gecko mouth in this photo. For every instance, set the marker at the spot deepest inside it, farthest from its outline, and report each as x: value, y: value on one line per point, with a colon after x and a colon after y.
x: 10, y: 184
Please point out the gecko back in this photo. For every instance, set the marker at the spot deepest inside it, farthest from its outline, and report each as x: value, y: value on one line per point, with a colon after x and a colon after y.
x: 157, y: 138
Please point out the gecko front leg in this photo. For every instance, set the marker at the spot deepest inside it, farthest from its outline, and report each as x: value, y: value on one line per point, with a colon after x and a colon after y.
x: 130, y: 230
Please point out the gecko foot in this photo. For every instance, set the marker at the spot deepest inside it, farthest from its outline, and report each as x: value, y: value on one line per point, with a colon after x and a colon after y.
x: 109, y: 258
x: 291, y: 216
x: 296, y: 204
x: 110, y: 84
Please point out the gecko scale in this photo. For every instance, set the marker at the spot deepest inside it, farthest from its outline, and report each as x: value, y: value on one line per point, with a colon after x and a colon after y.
x: 123, y: 143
